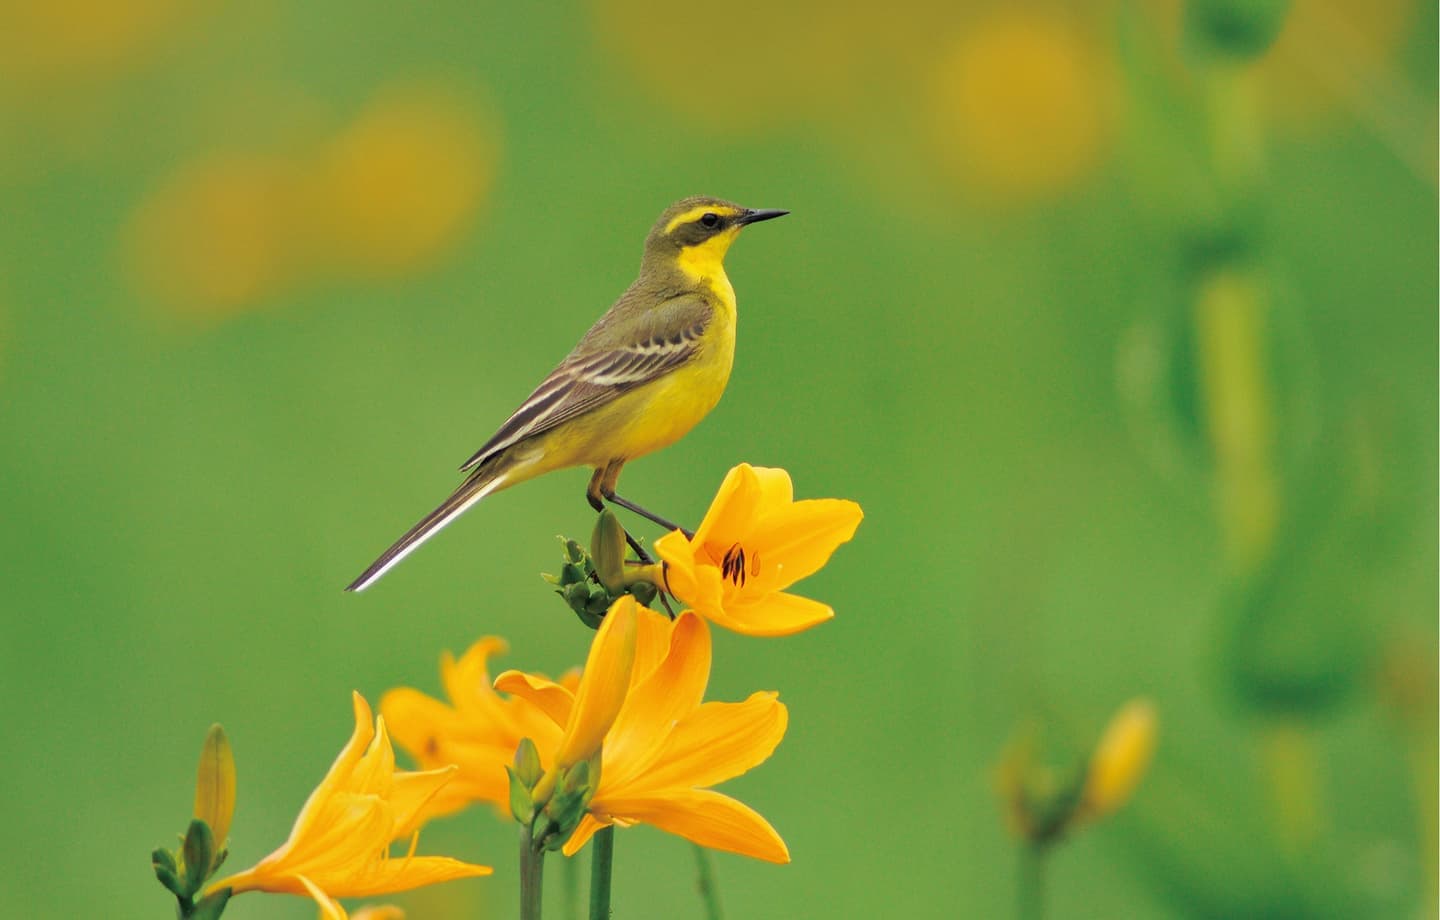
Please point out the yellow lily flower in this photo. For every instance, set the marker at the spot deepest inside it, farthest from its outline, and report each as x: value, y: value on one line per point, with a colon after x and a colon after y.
x: 340, y: 843
x: 586, y: 713
x: 663, y: 748
x: 755, y: 542
x: 478, y: 730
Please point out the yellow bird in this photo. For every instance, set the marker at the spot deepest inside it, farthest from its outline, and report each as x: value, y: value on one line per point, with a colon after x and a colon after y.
x: 644, y: 374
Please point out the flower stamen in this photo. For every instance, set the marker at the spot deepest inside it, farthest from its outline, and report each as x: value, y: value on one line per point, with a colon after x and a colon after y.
x: 733, y: 565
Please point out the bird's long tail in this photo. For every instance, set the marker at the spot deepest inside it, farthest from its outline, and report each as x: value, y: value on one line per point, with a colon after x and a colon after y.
x: 480, y: 484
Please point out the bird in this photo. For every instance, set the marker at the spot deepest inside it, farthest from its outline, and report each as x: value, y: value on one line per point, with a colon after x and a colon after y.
x: 645, y: 373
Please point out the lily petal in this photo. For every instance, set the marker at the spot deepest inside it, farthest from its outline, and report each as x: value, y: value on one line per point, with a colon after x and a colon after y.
x: 412, y: 792
x: 673, y: 691
x: 330, y: 908
x: 603, y: 684
x: 734, y: 504
x: 710, y: 819
x: 652, y: 643
x: 582, y: 834
x: 716, y: 742
x: 554, y: 700
x: 777, y: 614
x: 804, y: 535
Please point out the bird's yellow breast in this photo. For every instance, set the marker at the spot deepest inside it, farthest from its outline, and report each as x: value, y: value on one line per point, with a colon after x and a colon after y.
x: 673, y: 405
x: 652, y: 416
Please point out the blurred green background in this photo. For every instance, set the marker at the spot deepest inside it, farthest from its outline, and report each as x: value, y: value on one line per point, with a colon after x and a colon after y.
x: 1120, y: 324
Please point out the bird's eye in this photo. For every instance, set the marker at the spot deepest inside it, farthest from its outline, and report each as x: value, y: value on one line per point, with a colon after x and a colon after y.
x: 710, y: 221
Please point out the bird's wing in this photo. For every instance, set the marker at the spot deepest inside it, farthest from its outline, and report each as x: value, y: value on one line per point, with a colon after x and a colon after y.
x: 584, y: 382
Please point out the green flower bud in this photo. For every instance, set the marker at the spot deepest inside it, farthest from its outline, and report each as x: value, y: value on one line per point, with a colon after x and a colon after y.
x: 522, y: 804
x: 644, y: 592
x: 527, y: 763
x: 197, y: 854
x: 574, y: 552
x: 215, y: 789
x: 166, y: 871
x: 1240, y: 28
x: 607, y: 550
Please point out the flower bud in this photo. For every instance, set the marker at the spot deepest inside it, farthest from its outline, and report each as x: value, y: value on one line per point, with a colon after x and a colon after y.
x: 215, y: 788
x: 607, y: 551
x: 1120, y: 759
x: 163, y: 861
x: 1240, y: 28
x: 197, y: 854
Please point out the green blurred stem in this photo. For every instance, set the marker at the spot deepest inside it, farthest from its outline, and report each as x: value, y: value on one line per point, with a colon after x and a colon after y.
x: 1030, y: 893
x: 601, y: 856
x: 1423, y: 759
x: 705, y: 884
x: 1230, y: 334
x: 1292, y: 775
x: 572, y: 889
x: 532, y: 875
x: 1237, y: 143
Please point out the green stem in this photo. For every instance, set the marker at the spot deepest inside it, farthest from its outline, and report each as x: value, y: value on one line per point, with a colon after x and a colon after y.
x: 572, y: 889
x: 1291, y: 767
x: 532, y: 876
x: 1030, y: 895
x: 602, y: 855
x: 705, y: 883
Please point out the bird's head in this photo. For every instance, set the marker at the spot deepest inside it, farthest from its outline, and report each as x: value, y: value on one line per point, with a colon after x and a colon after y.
x: 694, y: 234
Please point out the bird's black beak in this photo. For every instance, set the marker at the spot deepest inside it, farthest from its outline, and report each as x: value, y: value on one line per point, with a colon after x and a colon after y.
x: 754, y: 216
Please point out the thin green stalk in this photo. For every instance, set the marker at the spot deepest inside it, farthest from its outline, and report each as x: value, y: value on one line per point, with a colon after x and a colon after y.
x: 572, y: 889
x: 602, y: 855
x: 1030, y: 895
x: 532, y: 876
x: 1292, y: 768
x: 705, y: 883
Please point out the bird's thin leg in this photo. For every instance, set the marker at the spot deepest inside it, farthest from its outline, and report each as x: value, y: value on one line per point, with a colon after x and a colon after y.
x: 592, y: 491
x: 628, y: 505
x: 645, y: 558
x: 593, y: 494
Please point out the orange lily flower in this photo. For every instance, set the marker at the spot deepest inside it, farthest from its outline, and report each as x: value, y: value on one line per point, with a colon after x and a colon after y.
x: 478, y: 731
x: 664, y: 747
x: 755, y: 542
x: 340, y: 844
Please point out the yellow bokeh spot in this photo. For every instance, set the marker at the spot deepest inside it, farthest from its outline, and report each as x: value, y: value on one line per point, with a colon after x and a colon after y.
x: 1332, y: 53
x: 1330, y: 56
x: 400, y: 184
x: 1022, y: 106
x: 74, y: 41
x: 761, y: 63
x: 214, y: 237
x: 385, y: 196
